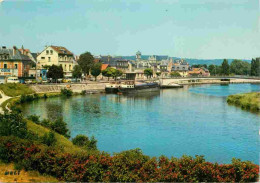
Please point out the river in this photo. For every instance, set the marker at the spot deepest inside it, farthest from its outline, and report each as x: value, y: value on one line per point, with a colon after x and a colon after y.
x: 194, y: 120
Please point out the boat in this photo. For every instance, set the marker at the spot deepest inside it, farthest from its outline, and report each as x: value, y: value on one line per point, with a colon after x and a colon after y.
x: 132, y: 87
x: 112, y: 87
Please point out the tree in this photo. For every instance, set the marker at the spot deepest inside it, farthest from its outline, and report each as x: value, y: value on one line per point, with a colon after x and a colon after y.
x: 212, y: 70
x: 83, y: 141
x: 158, y: 74
x: 239, y: 67
x: 116, y: 73
x: 225, y: 67
x: 77, y: 72
x: 107, y: 72
x: 255, y: 67
x: 60, y: 127
x: 148, y: 72
x: 55, y: 72
x: 96, y: 70
x: 175, y: 74
x: 86, y: 61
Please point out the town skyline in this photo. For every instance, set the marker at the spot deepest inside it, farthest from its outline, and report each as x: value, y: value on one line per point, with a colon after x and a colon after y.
x: 201, y: 30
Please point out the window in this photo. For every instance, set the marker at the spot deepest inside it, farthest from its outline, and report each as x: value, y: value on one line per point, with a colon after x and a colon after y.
x: 70, y: 67
x: 5, y: 66
x: 51, y: 51
x: 16, y: 66
x: 49, y: 59
x: 43, y: 58
x: 47, y: 52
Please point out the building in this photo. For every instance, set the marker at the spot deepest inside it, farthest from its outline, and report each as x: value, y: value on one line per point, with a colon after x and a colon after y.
x: 199, y: 72
x: 57, y: 55
x: 182, y: 67
x: 14, y: 63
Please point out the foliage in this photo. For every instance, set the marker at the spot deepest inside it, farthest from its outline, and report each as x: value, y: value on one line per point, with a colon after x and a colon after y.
x: 1, y: 96
x: 255, y: 67
x: 213, y: 70
x: 199, y: 66
x: 60, y: 127
x: 148, y: 72
x: 175, y: 74
x: 15, y: 89
x: 108, y: 72
x: 66, y: 92
x: 86, y: 61
x: 158, y: 74
x: 49, y: 138
x: 26, y: 98
x: 127, y: 166
x: 96, y: 70
x: 34, y: 118
x: 239, y: 67
x: 247, y: 101
x: 83, y: 92
x: 83, y: 141
x: 225, y: 67
x: 77, y: 72
x: 55, y: 72
x: 116, y: 73
x: 13, y: 124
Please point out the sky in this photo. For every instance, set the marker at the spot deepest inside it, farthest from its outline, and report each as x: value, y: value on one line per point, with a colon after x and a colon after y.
x: 202, y: 29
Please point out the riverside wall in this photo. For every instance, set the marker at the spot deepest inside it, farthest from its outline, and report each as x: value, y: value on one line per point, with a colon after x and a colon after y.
x: 48, y: 88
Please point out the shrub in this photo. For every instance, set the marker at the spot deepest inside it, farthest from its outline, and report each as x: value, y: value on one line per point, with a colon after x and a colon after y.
x: 83, y: 92
x: 34, y: 118
x: 125, y: 166
x: 49, y: 138
x: 66, y: 92
x: 83, y: 141
x: 45, y: 95
x: 13, y: 124
x: 60, y: 127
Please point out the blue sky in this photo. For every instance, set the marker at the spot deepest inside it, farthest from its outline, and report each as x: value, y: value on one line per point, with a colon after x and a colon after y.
x: 181, y: 28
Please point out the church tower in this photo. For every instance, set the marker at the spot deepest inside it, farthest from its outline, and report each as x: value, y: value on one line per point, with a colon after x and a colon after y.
x: 138, y: 56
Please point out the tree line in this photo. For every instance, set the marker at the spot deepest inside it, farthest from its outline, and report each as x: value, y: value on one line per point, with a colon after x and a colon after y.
x: 237, y: 67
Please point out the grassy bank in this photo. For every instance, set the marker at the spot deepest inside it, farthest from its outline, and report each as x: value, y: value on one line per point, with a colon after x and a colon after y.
x: 13, y: 90
x: 247, y: 101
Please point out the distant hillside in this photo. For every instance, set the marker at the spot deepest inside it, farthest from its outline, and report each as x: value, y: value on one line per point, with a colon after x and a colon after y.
x: 191, y: 61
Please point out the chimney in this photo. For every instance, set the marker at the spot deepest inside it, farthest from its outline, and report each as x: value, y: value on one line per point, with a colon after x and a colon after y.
x: 14, y: 50
x: 22, y: 50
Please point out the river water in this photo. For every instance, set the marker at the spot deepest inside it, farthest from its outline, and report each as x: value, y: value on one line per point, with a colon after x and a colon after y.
x: 194, y: 120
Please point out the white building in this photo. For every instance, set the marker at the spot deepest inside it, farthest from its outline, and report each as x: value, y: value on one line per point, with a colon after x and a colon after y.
x: 57, y: 55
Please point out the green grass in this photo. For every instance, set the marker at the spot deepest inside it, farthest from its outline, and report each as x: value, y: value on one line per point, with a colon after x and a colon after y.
x: 12, y: 89
x: 247, y: 101
x: 62, y: 142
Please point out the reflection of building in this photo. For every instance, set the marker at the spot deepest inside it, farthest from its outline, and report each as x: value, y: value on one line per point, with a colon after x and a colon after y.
x: 14, y: 63
x: 56, y: 55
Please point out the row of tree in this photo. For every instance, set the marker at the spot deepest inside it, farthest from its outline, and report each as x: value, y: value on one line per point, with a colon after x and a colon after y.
x: 237, y: 67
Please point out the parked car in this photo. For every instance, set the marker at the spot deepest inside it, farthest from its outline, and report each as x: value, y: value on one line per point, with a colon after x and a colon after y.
x: 13, y: 80
x: 66, y: 80
x: 28, y: 81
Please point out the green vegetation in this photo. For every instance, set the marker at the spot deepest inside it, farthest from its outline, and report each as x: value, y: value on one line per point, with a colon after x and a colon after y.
x: 107, y: 72
x: 175, y: 74
x: 148, y: 72
x: 247, y: 101
x: 240, y: 67
x: 96, y: 70
x: 77, y: 72
x: 83, y: 141
x: 66, y: 92
x: 55, y: 72
x: 86, y: 61
x: 255, y: 67
x: 15, y: 89
x: 225, y: 67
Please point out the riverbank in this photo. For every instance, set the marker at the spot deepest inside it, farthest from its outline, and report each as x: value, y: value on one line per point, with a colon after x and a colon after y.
x: 247, y: 101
